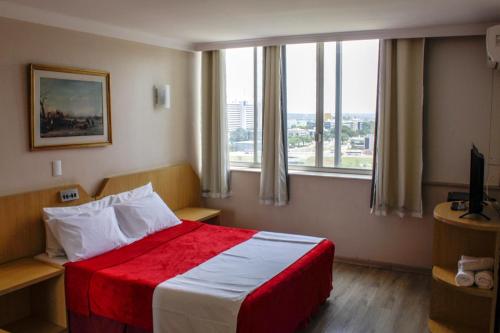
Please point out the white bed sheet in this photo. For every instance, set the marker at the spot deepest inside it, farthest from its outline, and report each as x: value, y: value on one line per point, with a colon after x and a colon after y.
x: 207, y: 298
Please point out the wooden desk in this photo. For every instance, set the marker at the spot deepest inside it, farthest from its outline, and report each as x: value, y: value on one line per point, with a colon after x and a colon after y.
x: 207, y: 215
x: 32, y: 297
x: 454, y: 308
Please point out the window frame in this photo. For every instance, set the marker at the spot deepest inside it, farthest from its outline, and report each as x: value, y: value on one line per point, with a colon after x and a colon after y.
x: 318, y: 138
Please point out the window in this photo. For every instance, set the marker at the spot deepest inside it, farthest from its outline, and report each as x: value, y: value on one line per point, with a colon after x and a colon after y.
x: 244, y: 104
x: 301, y: 103
x: 331, y: 105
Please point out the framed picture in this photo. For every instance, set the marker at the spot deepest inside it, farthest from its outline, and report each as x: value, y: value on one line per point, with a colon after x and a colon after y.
x: 70, y: 108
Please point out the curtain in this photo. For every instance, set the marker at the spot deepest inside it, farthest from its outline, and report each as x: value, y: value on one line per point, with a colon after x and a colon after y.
x: 397, y: 175
x: 215, y: 155
x: 274, y: 173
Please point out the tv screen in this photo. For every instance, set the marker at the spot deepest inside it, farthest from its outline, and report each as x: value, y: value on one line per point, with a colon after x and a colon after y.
x: 476, y: 185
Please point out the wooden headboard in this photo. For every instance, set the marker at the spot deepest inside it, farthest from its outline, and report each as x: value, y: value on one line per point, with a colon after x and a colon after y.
x: 22, y: 232
x: 177, y: 185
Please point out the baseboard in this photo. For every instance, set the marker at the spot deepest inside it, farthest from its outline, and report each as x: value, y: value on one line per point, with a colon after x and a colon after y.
x: 383, y: 265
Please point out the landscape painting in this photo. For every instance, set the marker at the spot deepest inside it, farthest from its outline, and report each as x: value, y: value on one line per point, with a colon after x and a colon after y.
x: 70, y: 108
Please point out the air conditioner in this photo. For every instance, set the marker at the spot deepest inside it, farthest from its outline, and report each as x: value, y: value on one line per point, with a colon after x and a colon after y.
x: 493, y: 46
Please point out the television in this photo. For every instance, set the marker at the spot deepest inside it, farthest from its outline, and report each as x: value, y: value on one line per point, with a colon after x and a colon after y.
x: 476, y: 183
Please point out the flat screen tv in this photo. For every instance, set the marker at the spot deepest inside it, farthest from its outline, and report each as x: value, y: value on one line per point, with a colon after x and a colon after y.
x: 476, y: 184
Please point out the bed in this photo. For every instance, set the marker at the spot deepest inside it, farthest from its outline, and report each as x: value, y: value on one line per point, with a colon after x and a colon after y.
x: 113, y: 292
x: 118, y: 291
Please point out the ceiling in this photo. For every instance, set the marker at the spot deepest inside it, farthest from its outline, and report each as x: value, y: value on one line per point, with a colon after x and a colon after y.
x: 202, y: 21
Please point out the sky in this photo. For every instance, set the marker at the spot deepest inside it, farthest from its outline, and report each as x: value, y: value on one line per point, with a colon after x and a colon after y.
x: 359, y: 76
x: 73, y: 97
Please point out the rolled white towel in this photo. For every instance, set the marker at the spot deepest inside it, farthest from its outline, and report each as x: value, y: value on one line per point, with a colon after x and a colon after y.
x: 468, y: 263
x: 464, y: 278
x: 484, y: 279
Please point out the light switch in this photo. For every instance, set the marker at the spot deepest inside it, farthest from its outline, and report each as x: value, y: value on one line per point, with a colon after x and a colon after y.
x: 56, y: 168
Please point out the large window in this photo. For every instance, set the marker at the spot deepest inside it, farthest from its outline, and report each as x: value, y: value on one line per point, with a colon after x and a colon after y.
x: 244, y: 104
x: 331, y: 103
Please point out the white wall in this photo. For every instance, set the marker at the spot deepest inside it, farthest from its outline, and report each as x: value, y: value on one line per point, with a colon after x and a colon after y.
x: 457, y: 112
x: 142, y: 136
x: 458, y: 99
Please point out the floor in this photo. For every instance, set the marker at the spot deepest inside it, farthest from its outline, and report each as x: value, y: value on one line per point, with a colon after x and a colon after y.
x: 367, y: 300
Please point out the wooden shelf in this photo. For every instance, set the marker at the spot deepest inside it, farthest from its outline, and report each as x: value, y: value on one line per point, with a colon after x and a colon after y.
x: 447, y: 276
x: 197, y: 213
x: 23, y: 273
x: 436, y: 326
x: 452, y: 306
x: 33, y: 325
x: 443, y: 213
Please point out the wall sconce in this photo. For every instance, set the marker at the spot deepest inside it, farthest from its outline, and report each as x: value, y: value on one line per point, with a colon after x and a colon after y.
x: 162, y: 96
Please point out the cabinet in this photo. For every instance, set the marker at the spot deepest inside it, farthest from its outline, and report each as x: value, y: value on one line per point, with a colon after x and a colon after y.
x: 32, y: 297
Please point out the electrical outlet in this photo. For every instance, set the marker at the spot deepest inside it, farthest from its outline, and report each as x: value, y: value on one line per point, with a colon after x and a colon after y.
x: 69, y: 195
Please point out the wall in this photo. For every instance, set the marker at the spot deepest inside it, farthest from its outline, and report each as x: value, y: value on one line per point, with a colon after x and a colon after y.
x: 457, y: 112
x: 458, y: 96
x: 142, y: 136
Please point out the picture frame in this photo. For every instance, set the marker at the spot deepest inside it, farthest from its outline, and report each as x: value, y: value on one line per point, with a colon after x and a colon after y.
x: 69, y: 108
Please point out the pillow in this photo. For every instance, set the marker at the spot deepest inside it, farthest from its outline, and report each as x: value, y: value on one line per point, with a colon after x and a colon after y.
x: 88, y: 234
x: 136, y: 193
x: 53, y: 247
x: 144, y: 216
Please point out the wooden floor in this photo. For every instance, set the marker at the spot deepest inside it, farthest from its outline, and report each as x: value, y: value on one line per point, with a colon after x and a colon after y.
x: 374, y: 300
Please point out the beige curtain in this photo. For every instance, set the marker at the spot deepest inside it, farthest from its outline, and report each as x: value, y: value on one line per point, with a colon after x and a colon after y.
x: 274, y: 174
x: 215, y: 161
x: 397, y: 177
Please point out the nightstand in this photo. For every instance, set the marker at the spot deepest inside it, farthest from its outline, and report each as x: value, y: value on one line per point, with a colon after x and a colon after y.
x: 206, y: 215
x: 32, y: 297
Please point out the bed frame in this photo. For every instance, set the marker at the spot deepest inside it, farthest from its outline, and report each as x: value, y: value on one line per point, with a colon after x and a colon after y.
x: 177, y: 185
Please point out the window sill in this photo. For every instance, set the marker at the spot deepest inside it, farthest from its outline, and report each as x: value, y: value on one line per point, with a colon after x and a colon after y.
x: 309, y: 173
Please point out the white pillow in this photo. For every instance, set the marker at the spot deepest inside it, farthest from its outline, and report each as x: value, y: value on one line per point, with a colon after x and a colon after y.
x: 136, y: 193
x: 144, y: 216
x: 88, y: 234
x: 53, y: 247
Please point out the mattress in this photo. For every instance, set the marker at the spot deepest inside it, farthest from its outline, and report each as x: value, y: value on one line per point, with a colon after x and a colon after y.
x: 116, y: 289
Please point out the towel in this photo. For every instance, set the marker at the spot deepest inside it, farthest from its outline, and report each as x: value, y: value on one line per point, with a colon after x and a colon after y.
x: 464, y: 278
x: 467, y: 263
x: 484, y: 279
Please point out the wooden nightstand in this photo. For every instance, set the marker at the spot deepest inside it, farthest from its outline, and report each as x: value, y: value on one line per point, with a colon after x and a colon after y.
x: 206, y: 215
x: 32, y: 297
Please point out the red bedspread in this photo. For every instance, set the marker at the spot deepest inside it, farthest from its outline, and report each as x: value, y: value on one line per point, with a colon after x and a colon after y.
x: 119, y: 285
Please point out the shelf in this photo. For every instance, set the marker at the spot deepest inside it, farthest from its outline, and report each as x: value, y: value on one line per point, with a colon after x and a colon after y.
x: 447, y: 276
x: 443, y: 213
x: 441, y: 327
x: 196, y: 213
x: 33, y: 325
x: 23, y: 273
